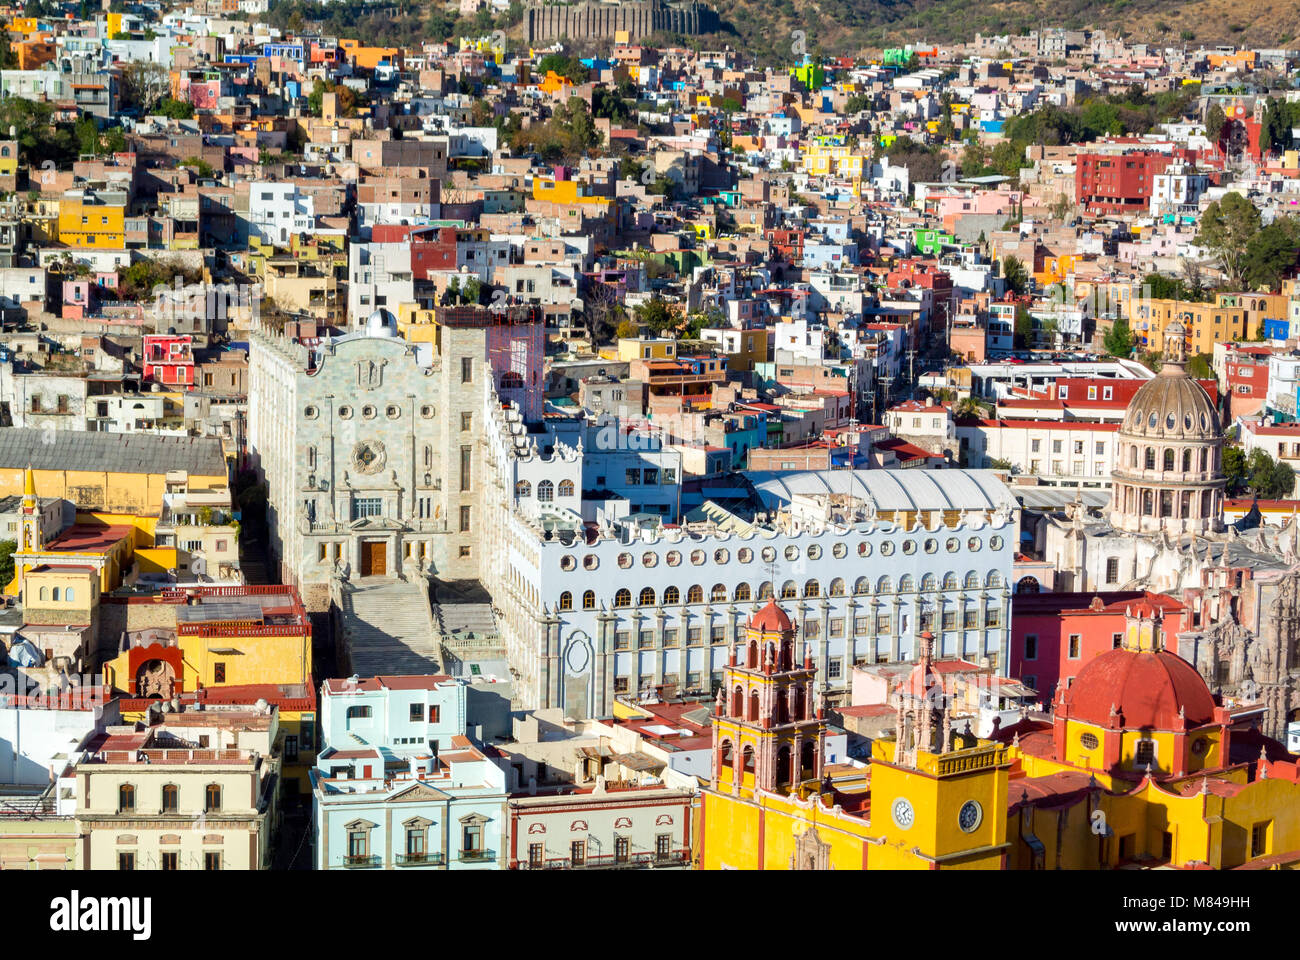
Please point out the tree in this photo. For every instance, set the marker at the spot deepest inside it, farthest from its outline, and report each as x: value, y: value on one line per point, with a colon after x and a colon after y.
x: 654, y: 313
x: 627, y: 329
x: 1013, y: 271
x: 175, y: 109
x: 1119, y: 339
x: 1271, y: 253
x: 1215, y: 121
x: 1226, y: 228
x: 1199, y: 367
x: 7, y: 548
x: 970, y: 407
x: 1024, y: 328
x: 1234, y: 468
x: 1263, y: 476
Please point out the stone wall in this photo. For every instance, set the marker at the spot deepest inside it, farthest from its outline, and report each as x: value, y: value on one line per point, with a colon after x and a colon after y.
x: 600, y: 21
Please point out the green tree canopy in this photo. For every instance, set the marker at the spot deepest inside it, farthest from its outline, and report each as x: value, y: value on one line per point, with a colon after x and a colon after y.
x: 1227, y: 227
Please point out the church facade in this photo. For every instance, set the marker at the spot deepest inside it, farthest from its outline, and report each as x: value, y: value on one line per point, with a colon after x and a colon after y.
x: 1164, y: 532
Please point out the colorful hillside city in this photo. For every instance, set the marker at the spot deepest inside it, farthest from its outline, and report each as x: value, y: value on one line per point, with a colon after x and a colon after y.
x: 566, y: 443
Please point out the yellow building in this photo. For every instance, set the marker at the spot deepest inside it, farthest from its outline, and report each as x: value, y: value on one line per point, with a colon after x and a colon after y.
x: 829, y: 159
x: 646, y: 348
x: 1232, y: 316
x: 1134, y: 769
x: 87, y: 221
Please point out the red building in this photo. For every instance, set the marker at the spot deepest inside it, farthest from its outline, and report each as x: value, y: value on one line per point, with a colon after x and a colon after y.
x: 1115, y: 183
x: 1246, y: 371
x: 169, y: 359
x: 1054, y: 635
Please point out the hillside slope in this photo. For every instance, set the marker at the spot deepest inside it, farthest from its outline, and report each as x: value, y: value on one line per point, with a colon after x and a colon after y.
x: 766, y: 27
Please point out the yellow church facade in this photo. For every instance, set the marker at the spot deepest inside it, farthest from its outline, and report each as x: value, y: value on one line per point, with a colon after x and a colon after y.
x: 1133, y: 770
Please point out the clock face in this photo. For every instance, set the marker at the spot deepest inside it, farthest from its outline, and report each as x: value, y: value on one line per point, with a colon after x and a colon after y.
x: 970, y: 815
x: 903, y: 813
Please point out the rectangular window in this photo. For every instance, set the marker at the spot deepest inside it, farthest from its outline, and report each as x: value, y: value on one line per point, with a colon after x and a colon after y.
x: 1112, y: 570
x: 632, y: 476
x: 834, y: 668
x: 126, y: 861
x: 211, y: 861
x: 646, y: 639
x: 883, y: 621
x: 218, y: 673
x: 861, y: 625
x: 694, y: 635
x: 1031, y: 647
x: 836, y: 627
x: 367, y: 507
x: 536, y: 854
x: 290, y: 747
x: 472, y: 835
x: 1075, y: 644
x: 1145, y: 753
x: 950, y: 619
x: 622, y: 640
x: 464, y: 519
x: 417, y: 712
x: 170, y: 860
x: 466, y: 420
x: 812, y: 629
x: 620, y: 684
x: 650, y: 477
x: 435, y: 713
x: 1259, y: 838
x: 1116, y: 641
x: 664, y: 846
x: 993, y: 617
x: 465, y: 453
x: 717, y: 634
x: 578, y: 853
x: 970, y: 619
x: 670, y: 636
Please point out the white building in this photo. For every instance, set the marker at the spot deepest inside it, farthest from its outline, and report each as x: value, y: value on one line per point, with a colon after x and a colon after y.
x: 591, y: 614
x: 1060, y: 453
x: 276, y: 210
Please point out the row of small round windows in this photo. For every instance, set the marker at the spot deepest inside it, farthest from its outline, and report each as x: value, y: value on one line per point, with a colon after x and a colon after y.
x: 369, y: 412
x: 746, y: 555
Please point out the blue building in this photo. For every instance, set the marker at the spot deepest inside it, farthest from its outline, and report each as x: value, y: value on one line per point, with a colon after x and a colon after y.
x: 397, y: 784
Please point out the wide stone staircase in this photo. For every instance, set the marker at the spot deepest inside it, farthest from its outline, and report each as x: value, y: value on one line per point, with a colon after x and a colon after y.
x: 388, y: 628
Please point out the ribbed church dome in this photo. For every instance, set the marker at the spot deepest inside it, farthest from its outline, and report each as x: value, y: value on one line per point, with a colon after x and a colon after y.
x: 1171, y: 406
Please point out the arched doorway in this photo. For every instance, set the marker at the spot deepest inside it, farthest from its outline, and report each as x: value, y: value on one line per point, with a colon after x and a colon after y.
x: 1028, y: 585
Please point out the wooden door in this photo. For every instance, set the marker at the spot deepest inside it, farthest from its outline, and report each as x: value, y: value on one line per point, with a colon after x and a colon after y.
x: 374, y: 558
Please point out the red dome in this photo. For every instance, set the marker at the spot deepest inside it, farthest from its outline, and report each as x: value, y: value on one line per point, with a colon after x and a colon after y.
x: 771, y: 619
x: 1148, y: 689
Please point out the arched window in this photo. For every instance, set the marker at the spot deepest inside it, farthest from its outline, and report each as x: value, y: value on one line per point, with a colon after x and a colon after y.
x: 748, y: 756
x: 972, y: 580
x: 1028, y: 585
x: 523, y: 489
x: 1169, y: 459
x: 994, y: 579
x: 765, y: 590
x: 56, y: 594
x: 672, y: 596
x: 906, y: 584
x: 836, y: 588
x: 589, y: 600
x: 545, y: 492
x: 362, y: 712
x: 812, y: 589
x: 1148, y: 503
x: 950, y: 581
x: 566, y: 600
x: 126, y: 798
x: 751, y: 655
x: 884, y: 585
x: 1187, y: 460
x: 742, y: 591
x: 753, y: 706
x: 212, y: 798
x: 1205, y: 459
x: 1150, y: 458
x: 783, y: 763
x: 171, y: 798
x: 789, y: 590
x: 623, y: 598
x: 861, y: 587
x: 45, y: 593
x: 726, y: 752
x: 928, y: 582
x: 68, y: 595
x: 566, y: 488
x: 718, y: 594
x: 738, y: 703
x: 1166, y: 503
x: 1133, y: 456
x: 797, y: 704
x: 807, y: 760
x: 694, y: 593
x: 787, y: 655
x: 647, y: 597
